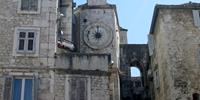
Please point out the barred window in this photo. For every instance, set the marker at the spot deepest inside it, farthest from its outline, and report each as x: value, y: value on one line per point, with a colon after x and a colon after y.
x: 29, y: 5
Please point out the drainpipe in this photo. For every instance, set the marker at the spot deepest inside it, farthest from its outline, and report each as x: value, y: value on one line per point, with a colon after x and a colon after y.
x: 65, y: 25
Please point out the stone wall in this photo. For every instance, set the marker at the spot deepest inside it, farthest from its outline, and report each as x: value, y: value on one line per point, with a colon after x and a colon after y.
x: 16, y: 64
x: 78, y: 61
x: 96, y: 2
x: 176, y: 54
x: 45, y: 21
x: 123, y: 36
x: 92, y: 87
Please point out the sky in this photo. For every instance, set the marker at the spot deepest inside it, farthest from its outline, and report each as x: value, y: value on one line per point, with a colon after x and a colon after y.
x: 136, y: 16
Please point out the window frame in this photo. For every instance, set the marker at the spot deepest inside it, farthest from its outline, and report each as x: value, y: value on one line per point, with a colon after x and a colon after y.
x: 28, y: 11
x: 36, y: 45
x: 26, y: 39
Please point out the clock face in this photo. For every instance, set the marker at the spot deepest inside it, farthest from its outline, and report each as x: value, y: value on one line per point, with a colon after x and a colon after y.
x: 98, y: 36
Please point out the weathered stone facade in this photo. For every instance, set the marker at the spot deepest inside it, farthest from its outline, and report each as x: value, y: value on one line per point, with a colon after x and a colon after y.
x: 43, y: 55
x: 49, y: 51
x: 175, y: 57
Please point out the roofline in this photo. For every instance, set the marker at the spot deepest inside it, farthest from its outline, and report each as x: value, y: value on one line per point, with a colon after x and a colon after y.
x: 123, y: 29
x: 158, y: 7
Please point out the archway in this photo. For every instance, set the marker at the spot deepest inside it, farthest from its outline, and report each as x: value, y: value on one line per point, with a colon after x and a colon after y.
x: 135, y: 72
x: 134, y: 56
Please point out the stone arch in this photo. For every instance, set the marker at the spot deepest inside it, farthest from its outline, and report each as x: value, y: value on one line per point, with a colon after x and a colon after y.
x: 140, y: 66
x: 133, y: 55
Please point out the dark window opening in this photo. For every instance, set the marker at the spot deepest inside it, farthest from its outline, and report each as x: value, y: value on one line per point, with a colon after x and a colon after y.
x: 30, y: 45
x: 196, y: 96
x: 21, y: 44
x: 29, y: 5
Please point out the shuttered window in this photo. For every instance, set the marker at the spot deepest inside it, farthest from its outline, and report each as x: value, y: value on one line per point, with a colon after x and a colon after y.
x: 18, y: 88
x: 22, y: 89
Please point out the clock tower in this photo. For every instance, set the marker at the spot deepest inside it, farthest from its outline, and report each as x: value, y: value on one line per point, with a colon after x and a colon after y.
x: 97, y: 32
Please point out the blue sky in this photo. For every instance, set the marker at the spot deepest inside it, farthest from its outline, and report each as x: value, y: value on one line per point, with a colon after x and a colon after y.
x: 136, y: 16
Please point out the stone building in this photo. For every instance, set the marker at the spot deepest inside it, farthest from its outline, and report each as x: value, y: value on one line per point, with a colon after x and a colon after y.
x: 175, y: 52
x: 48, y: 51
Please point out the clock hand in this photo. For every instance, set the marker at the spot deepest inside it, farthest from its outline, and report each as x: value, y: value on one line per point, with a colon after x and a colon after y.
x: 97, y: 29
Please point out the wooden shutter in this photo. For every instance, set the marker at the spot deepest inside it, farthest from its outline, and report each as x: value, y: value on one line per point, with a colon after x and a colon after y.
x: 7, y: 88
x: 35, y: 87
x: 196, y: 17
x: 151, y: 44
x: 1, y: 87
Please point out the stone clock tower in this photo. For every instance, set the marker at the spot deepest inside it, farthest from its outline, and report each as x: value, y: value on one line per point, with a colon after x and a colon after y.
x: 98, y: 29
x: 97, y: 32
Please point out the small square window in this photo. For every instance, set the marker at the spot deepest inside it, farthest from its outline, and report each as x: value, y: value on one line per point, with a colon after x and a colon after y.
x: 22, y: 34
x: 30, y: 34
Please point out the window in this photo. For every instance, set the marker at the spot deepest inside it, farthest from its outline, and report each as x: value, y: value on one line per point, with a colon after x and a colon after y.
x: 22, y: 89
x: 29, y: 6
x: 19, y: 88
x: 26, y: 41
x: 196, y: 17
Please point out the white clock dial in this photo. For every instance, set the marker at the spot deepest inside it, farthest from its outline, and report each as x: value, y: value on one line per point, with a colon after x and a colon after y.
x: 98, y: 36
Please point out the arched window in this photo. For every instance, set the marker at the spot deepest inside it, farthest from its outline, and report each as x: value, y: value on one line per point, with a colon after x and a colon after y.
x: 135, y: 72
x: 136, y: 77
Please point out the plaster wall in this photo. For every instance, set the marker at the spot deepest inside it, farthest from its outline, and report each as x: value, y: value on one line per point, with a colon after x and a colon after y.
x: 176, y: 55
